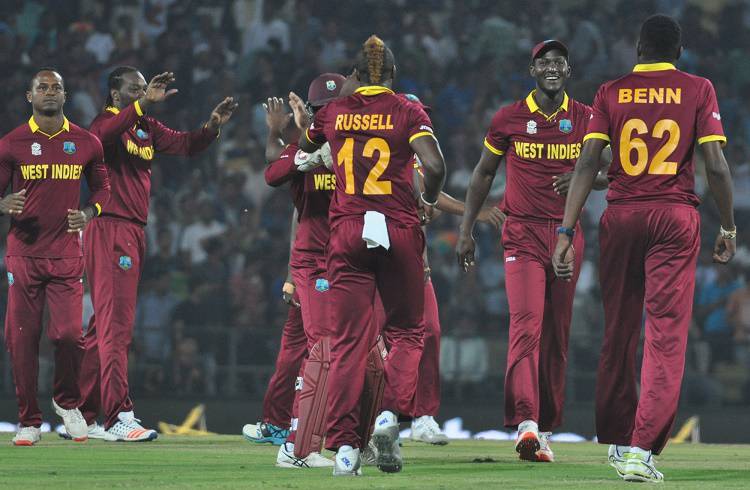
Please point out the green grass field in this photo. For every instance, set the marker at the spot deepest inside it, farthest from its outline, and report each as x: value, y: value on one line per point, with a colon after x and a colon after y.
x: 229, y: 461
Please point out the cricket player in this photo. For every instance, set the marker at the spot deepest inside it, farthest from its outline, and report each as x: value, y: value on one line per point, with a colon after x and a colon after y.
x: 540, y: 138
x: 43, y: 161
x: 649, y: 238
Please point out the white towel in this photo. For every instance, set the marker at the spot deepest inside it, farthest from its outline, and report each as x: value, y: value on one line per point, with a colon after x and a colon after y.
x: 375, y: 231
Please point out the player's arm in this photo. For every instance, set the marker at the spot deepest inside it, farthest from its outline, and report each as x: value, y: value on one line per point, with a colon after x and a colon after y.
x: 287, y: 292
x: 12, y: 203
x: 720, y: 182
x: 586, y: 170
x: 309, y: 140
x: 109, y: 129
x: 98, y: 183
x: 276, y: 119
x: 479, y: 186
x: 189, y: 143
x: 428, y: 151
x: 282, y: 170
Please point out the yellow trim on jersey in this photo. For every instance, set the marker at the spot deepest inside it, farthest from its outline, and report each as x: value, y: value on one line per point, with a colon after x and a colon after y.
x: 534, y: 107
x: 138, y: 109
x: 599, y: 136
x: 98, y: 208
x: 654, y: 67
x: 307, y: 135
x: 373, y: 90
x: 114, y: 110
x: 419, y: 134
x: 492, y: 148
x: 34, y: 127
x: 713, y: 137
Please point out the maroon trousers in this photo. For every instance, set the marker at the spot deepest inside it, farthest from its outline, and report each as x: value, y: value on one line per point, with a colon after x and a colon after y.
x: 114, y: 251
x: 279, y: 397
x: 541, y: 307
x: 32, y: 282
x: 427, y: 396
x: 648, y: 256
x: 356, y: 272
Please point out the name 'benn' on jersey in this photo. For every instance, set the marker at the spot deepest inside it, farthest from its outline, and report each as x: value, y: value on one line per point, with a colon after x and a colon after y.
x: 537, y: 147
x: 370, y: 134
x: 652, y: 117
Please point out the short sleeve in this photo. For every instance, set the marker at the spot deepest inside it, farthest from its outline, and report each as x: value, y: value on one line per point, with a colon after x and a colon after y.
x: 316, y: 132
x: 418, y: 123
x: 708, y: 122
x: 497, y: 139
x: 598, y: 126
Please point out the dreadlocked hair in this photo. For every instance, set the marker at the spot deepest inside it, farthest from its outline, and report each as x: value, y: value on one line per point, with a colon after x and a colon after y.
x: 374, y: 61
x: 114, y: 81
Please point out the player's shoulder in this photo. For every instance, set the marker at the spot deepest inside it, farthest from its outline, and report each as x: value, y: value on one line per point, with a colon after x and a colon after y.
x: 699, y: 81
x: 17, y: 132
x: 507, y: 111
x: 578, y: 108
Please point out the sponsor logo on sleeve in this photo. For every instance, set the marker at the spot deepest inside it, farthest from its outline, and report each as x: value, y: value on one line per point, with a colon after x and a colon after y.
x: 716, y: 116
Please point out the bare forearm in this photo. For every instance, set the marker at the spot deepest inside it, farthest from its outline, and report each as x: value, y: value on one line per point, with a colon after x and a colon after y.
x: 720, y: 182
x: 274, y: 146
x: 479, y: 187
x: 449, y: 204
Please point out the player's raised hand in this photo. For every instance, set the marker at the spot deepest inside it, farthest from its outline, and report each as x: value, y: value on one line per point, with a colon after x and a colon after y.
x: 302, y: 118
x: 77, y: 220
x: 562, y: 260
x: 561, y: 183
x: 156, y: 91
x: 13, y: 203
x: 492, y: 215
x: 724, y: 249
x: 276, y: 117
x: 221, y: 113
x: 465, y: 251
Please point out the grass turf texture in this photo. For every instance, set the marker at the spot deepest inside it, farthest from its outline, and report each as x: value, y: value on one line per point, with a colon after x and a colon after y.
x: 230, y: 461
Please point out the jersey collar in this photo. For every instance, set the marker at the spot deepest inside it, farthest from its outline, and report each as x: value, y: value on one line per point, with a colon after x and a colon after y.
x: 373, y: 90
x: 112, y: 109
x: 654, y: 67
x: 34, y: 127
x: 533, y: 107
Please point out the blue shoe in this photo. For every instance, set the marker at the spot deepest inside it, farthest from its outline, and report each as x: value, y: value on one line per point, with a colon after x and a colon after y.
x: 265, y: 433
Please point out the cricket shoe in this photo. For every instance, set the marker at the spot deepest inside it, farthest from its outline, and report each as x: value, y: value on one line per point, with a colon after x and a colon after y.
x: 369, y: 455
x: 27, y: 436
x: 285, y: 458
x: 263, y: 432
x: 528, y: 443
x: 425, y: 429
x: 385, y: 439
x: 128, y: 429
x: 74, y: 423
x: 545, y: 454
x: 347, y: 462
x: 616, y: 458
x: 640, y: 467
x: 96, y: 431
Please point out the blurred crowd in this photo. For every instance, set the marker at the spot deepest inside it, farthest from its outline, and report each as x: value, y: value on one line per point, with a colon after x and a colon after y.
x: 210, y: 313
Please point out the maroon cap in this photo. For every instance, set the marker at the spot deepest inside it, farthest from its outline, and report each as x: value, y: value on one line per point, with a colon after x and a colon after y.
x: 547, y: 45
x: 325, y: 88
x: 414, y: 99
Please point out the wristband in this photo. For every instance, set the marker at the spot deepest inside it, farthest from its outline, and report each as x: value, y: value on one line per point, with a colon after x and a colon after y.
x: 728, y: 234
x: 566, y: 231
x: 431, y: 204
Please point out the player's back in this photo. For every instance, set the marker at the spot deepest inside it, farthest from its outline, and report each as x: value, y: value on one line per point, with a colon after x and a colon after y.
x: 653, y: 118
x: 370, y: 134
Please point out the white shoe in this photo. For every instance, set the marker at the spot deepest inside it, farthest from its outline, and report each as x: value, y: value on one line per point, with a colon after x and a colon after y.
x: 95, y: 431
x: 347, y: 462
x: 641, y: 467
x: 385, y: 439
x: 425, y: 429
x: 128, y: 429
x: 545, y: 454
x: 616, y: 458
x: 27, y: 436
x: 73, y: 421
x: 285, y: 458
x: 527, y: 442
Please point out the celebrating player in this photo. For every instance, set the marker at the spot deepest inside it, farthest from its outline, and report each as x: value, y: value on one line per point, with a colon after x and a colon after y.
x: 649, y: 238
x: 541, y: 139
x: 375, y: 242
x: 115, y: 246
x: 44, y: 160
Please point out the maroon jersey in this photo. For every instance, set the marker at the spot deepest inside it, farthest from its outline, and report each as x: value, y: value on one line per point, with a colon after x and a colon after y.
x: 49, y: 167
x: 369, y: 133
x: 130, y: 142
x: 311, y: 193
x: 537, y: 147
x: 652, y: 118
